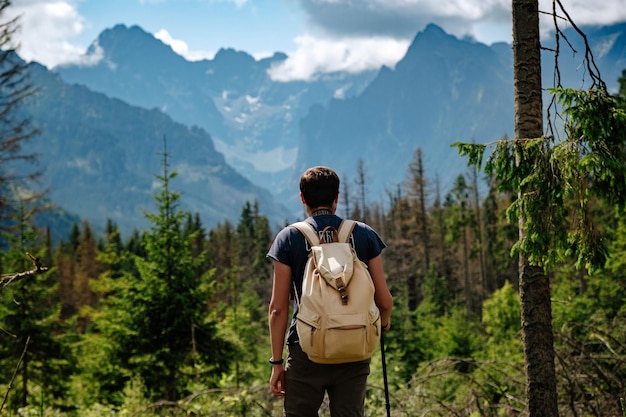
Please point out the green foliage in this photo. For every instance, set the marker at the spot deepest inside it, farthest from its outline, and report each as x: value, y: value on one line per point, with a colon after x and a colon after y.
x: 556, y: 181
x: 458, y: 211
x: 590, y: 336
x: 99, y: 376
x: 503, y: 351
x: 501, y: 315
x: 596, y: 129
x: 404, y: 343
x: 590, y: 339
x: 243, y: 325
x: 435, y: 293
x: 156, y: 320
x: 30, y: 325
x: 451, y: 335
x: 474, y: 152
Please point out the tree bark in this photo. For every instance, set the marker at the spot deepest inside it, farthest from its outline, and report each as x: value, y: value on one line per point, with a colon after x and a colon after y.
x: 534, y: 285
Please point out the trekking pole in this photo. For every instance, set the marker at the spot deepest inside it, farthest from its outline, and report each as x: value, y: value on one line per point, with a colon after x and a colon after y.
x: 382, y: 354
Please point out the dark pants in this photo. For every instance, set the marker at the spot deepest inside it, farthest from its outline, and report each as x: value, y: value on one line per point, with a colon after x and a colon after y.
x: 306, y: 382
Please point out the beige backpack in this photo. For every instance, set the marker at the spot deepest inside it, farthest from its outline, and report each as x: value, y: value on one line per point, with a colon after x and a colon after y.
x: 338, y: 320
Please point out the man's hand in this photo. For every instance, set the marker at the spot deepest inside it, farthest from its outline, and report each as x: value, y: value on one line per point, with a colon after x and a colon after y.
x: 277, y: 380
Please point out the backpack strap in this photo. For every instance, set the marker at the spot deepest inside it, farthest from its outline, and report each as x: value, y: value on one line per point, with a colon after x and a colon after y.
x: 308, y: 231
x: 343, y: 234
x: 310, y: 234
x: 345, y: 230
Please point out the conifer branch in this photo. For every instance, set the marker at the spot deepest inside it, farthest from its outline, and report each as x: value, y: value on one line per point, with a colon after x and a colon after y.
x: 38, y: 268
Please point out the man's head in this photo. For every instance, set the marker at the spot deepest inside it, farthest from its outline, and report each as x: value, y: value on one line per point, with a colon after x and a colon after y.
x: 319, y: 187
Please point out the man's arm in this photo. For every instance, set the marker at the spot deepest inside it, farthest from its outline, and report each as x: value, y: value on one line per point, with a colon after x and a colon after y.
x: 382, y: 296
x: 278, y: 317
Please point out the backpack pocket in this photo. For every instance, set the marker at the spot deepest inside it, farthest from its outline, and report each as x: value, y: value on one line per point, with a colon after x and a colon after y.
x: 346, y: 337
x: 308, y: 326
x: 374, y: 330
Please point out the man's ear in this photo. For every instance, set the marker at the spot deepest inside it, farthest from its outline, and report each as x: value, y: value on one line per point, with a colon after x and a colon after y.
x: 302, y: 198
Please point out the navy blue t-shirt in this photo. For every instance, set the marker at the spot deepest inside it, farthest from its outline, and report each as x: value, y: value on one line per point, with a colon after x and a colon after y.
x: 291, y: 248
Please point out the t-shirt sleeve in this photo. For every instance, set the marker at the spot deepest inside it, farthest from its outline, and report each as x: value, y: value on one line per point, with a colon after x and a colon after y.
x: 280, y: 250
x: 375, y: 242
x: 368, y: 243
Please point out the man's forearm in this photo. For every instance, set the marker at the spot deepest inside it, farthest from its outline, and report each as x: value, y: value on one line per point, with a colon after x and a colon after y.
x: 278, y: 328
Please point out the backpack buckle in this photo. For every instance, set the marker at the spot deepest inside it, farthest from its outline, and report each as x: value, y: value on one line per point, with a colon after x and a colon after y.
x: 341, y: 287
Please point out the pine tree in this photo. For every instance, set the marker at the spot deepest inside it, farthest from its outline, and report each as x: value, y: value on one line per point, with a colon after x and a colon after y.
x: 158, y: 318
x: 460, y: 218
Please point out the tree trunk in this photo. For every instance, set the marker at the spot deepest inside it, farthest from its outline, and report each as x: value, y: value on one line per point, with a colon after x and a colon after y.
x: 423, y: 215
x: 534, y: 285
x: 480, y: 236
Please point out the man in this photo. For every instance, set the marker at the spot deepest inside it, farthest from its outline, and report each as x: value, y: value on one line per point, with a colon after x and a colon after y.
x: 302, y: 382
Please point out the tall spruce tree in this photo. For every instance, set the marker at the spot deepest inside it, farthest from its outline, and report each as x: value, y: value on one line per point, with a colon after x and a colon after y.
x: 159, y: 317
x: 461, y: 222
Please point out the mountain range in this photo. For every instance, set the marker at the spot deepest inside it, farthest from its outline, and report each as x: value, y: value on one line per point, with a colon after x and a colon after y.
x: 253, y: 120
x: 101, y: 158
x: 234, y: 134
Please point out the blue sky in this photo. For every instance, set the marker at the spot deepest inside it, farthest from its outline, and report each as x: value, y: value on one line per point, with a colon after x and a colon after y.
x: 318, y: 35
x: 259, y: 27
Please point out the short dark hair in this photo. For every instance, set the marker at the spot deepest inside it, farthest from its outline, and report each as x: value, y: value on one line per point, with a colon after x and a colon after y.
x: 319, y: 186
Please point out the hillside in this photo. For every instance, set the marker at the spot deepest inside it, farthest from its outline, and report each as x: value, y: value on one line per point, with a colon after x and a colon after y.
x: 101, y: 156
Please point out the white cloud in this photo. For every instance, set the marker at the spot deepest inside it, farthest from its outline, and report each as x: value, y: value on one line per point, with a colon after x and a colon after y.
x: 582, y: 12
x: 46, y: 28
x: 585, y: 12
x: 315, y: 56
x: 238, y: 3
x: 178, y: 46
x: 486, y: 20
x: 181, y: 47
